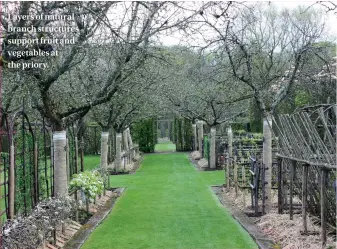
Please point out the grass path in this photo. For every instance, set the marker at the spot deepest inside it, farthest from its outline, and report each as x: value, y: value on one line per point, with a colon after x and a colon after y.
x: 165, y: 146
x: 168, y: 204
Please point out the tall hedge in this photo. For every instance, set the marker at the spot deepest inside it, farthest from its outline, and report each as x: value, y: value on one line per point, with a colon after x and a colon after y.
x: 145, y: 134
x: 182, y: 134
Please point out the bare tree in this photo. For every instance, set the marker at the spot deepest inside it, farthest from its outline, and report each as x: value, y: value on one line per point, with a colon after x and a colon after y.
x: 265, y: 48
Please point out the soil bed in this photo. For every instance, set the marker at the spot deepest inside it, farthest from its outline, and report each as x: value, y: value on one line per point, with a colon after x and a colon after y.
x: 285, y: 233
x: 101, y: 211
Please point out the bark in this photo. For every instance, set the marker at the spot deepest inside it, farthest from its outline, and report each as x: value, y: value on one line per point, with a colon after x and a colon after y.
x: 267, y: 158
x: 195, y: 138
x: 118, y: 161
x: 60, y: 163
x: 200, y: 135
x: 125, y: 140
x: 130, y: 143
x: 212, y: 149
x: 104, y: 150
x: 230, y: 142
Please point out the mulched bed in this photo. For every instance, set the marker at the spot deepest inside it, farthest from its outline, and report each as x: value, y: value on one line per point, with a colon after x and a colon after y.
x: 101, y: 209
x: 285, y: 233
x: 75, y: 233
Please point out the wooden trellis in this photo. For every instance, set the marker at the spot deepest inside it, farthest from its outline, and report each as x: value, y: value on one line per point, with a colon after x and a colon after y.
x: 307, y: 162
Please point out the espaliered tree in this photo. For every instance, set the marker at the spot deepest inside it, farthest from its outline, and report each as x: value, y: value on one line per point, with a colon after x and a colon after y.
x: 266, y: 50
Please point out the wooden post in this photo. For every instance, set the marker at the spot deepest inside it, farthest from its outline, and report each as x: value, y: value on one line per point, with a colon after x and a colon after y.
x: 11, y: 183
x: 292, y: 173
x: 305, y: 196
x: 280, y: 186
x: 51, y: 168
x: 244, y: 185
x: 230, y: 155
x: 76, y: 154
x: 236, y: 177
x: 82, y: 154
x: 36, y: 174
x: 63, y: 227
x: 68, y: 160
x: 323, y: 206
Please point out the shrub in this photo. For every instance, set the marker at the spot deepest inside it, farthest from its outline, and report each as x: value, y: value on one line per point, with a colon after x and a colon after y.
x: 32, y: 231
x: 90, y: 182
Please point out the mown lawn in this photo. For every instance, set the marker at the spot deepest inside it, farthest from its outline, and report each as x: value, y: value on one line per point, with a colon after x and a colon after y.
x: 91, y: 162
x: 169, y: 204
x: 167, y: 146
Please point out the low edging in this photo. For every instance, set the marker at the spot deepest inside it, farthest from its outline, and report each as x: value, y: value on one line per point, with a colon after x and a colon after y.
x: 83, y: 233
x: 248, y: 224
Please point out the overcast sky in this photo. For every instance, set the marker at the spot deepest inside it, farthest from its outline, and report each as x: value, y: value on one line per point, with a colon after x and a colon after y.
x: 331, y: 21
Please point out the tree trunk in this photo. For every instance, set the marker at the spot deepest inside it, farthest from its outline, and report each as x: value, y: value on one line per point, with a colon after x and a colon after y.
x: 212, y: 149
x: 267, y: 158
x: 126, y: 145
x: 60, y: 163
x: 104, y: 150
x: 195, y: 138
x: 130, y: 143
x: 200, y: 135
x: 118, y: 160
x: 230, y: 155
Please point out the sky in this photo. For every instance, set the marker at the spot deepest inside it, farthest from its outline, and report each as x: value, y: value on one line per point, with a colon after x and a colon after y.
x: 331, y: 20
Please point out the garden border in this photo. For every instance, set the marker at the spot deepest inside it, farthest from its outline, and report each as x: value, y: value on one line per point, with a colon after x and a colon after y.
x: 83, y: 234
x: 254, y: 231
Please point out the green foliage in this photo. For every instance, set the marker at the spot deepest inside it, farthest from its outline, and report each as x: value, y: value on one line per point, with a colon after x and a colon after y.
x: 92, y: 136
x: 188, y: 135
x: 90, y: 182
x: 23, y: 142
x: 144, y: 133
x: 256, y: 126
x: 238, y: 126
x: 302, y: 98
x: 239, y: 132
x: 183, y: 134
x: 206, y: 147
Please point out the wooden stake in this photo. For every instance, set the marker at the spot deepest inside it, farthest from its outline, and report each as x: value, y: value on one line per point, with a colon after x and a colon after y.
x: 280, y: 185
x: 82, y: 154
x: 304, y: 196
x: 68, y: 160
x: 11, y: 183
x: 323, y: 204
x: 76, y: 154
x: 36, y: 173
x: 236, y: 177
x: 244, y: 185
x: 292, y: 173
x: 227, y: 173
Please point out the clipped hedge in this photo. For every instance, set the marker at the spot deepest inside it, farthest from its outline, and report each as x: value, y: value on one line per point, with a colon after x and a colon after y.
x: 145, y: 134
x: 182, y: 134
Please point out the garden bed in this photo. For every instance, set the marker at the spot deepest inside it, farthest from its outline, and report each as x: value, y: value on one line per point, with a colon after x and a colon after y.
x: 285, y: 233
x: 75, y: 233
x: 261, y: 239
x: 101, y: 209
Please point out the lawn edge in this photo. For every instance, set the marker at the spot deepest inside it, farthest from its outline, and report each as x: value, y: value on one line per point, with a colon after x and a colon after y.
x: 81, y: 236
x: 262, y: 240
